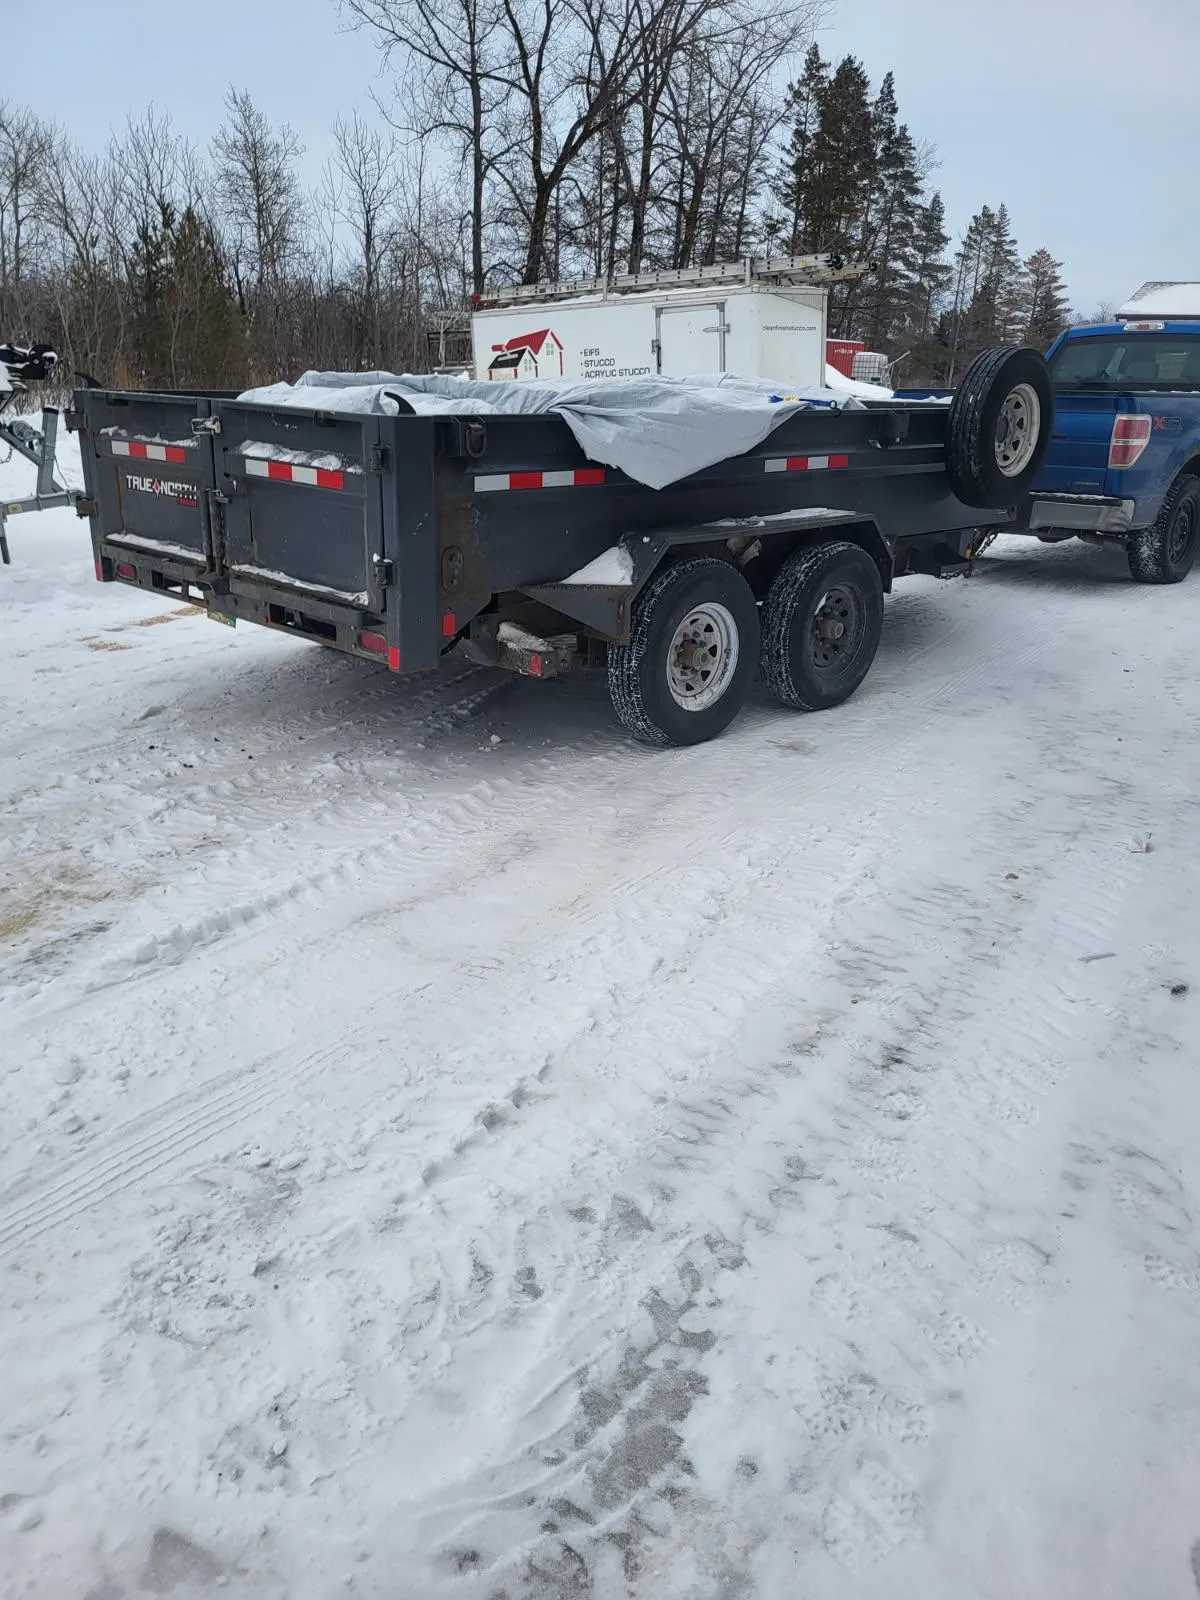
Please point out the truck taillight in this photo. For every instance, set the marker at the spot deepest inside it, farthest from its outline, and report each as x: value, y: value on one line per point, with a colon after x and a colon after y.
x: 1130, y: 436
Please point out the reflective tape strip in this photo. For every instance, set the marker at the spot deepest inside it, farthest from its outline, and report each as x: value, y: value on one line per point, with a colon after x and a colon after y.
x: 150, y: 452
x: 805, y: 463
x: 285, y: 472
x: 578, y: 478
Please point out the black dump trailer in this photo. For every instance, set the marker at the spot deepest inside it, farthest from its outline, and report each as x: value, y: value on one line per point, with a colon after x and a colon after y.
x: 399, y: 538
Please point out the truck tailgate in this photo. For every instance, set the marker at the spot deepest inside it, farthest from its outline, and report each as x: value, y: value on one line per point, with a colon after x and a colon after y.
x: 1077, y: 460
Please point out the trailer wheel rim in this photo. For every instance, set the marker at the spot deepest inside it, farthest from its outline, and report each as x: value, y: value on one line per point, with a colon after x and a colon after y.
x: 837, y: 628
x: 702, y: 656
x: 1017, y: 429
x: 1181, y: 533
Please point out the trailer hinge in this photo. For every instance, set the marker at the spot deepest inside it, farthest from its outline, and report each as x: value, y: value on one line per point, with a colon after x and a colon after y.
x: 376, y: 458
x: 895, y: 428
x: 384, y: 571
x: 76, y: 421
x: 206, y: 425
x: 85, y: 507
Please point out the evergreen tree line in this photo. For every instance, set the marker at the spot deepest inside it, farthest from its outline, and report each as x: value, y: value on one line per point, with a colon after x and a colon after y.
x: 522, y: 139
x: 852, y: 178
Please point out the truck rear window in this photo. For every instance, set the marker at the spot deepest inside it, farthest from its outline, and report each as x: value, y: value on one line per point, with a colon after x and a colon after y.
x: 1124, y: 361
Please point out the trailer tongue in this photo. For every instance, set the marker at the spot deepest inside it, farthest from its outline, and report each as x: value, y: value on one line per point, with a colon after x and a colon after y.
x: 400, y: 536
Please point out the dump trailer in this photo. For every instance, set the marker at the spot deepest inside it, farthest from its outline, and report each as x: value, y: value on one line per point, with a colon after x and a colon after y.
x: 400, y: 538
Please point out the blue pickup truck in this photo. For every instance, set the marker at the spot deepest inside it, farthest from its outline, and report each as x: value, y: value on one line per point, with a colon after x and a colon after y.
x: 1123, y: 465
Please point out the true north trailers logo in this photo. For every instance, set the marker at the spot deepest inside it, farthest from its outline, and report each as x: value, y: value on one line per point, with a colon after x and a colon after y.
x: 183, y: 494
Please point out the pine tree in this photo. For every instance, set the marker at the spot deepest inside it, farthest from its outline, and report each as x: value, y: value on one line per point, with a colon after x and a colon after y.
x: 1005, y: 280
x: 850, y: 182
x: 793, y: 183
x: 201, y: 318
x: 1046, y: 312
x: 987, y: 289
x: 932, y: 274
x: 931, y: 278
x: 888, y: 225
x: 842, y: 159
x: 187, y: 325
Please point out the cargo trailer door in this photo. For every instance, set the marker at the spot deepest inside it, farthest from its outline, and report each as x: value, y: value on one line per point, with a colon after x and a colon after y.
x: 691, y: 339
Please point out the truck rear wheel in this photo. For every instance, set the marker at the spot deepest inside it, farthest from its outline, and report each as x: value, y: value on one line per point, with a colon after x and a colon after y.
x: 1166, y: 551
x: 821, y: 625
x: 693, y: 648
x: 999, y: 427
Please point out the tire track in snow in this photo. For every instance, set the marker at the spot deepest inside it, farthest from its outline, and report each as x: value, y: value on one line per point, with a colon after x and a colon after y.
x: 212, y: 926
x: 719, y: 1137
x: 429, y: 711
x: 230, y: 1108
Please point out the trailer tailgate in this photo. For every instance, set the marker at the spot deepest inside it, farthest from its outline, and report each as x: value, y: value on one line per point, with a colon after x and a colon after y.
x: 149, y: 474
x: 300, y: 502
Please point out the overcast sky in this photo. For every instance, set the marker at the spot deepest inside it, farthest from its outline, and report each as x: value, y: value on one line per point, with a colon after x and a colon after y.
x: 1083, y: 116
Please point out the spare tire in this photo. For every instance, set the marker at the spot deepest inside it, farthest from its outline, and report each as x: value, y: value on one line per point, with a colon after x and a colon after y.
x: 999, y: 427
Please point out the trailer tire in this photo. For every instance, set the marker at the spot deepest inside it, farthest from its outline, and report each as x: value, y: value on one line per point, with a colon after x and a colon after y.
x: 999, y: 427
x: 821, y: 625
x: 1165, y: 552
x: 692, y: 652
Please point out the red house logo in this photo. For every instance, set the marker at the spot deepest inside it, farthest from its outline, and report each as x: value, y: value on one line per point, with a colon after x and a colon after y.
x: 528, y: 355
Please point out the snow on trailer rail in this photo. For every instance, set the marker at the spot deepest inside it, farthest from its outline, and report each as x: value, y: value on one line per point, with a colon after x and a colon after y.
x: 678, y: 534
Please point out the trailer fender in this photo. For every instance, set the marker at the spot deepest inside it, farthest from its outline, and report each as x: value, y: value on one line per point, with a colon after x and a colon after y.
x: 605, y: 609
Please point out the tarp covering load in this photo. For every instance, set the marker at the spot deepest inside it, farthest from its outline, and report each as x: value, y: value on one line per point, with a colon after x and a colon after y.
x: 653, y: 429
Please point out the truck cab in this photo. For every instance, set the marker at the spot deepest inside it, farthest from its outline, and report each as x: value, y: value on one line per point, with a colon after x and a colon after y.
x: 1123, y: 467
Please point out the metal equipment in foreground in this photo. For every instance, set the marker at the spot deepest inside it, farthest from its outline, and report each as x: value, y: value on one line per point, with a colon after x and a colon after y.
x: 20, y: 365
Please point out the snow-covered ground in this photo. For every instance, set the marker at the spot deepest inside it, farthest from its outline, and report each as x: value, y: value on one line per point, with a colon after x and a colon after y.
x: 447, y: 1151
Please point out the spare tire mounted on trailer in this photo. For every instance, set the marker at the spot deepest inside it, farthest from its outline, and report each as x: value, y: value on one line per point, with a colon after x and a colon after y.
x: 999, y: 427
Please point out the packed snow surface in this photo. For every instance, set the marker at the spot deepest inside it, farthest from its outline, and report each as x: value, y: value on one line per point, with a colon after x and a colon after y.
x: 448, y: 1151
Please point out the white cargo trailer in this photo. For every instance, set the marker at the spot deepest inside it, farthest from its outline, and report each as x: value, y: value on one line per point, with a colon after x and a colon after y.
x: 756, y: 319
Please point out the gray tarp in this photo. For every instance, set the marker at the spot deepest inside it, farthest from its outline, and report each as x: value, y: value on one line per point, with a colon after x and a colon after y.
x: 654, y: 429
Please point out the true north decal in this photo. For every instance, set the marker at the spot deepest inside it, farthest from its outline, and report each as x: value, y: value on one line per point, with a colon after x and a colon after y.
x: 183, y: 494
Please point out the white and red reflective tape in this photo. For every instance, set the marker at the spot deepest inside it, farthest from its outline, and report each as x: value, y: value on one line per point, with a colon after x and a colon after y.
x: 580, y: 478
x: 805, y: 463
x: 150, y: 452
x: 285, y: 472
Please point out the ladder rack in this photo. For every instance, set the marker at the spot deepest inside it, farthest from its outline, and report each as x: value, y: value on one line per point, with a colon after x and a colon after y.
x: 809, y: 271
